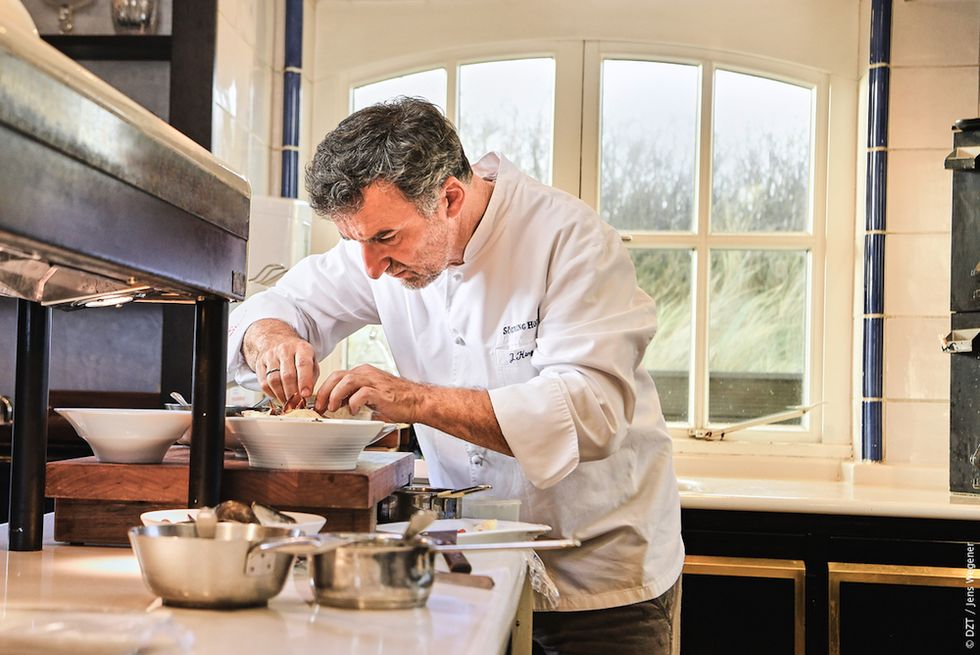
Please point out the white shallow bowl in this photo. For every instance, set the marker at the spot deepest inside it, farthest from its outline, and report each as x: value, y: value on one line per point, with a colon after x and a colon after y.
x: 128, y: 436
x: 282, y: 442
x: 474, y: 531
x: 307, y: 523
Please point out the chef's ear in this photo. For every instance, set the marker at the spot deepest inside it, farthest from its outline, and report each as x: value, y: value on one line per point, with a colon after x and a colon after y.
x: 455, y: 194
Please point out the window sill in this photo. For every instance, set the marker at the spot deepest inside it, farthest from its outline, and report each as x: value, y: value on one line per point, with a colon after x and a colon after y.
x: 763, y: 449
x: 798, y: 462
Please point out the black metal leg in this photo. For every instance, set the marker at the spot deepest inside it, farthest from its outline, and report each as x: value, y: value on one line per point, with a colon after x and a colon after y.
x: 30, y: 430
x: 208, y: 427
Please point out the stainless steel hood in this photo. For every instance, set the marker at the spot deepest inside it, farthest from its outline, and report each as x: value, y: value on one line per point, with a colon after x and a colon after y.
x: 100, y: 197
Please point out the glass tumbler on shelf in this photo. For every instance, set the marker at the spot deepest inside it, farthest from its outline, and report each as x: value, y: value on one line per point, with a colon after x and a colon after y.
x: 134, y: 16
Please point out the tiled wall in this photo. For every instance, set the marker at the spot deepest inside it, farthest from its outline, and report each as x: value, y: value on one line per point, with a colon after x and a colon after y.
x: 935, y: 51
x: 247, y: 120
x: 244, y: 74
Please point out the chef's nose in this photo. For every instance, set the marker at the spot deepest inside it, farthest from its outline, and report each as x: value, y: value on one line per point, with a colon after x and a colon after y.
x: 374, y: 263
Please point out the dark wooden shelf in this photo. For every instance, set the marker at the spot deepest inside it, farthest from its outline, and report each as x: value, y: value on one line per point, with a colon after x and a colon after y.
x: 123, y: 47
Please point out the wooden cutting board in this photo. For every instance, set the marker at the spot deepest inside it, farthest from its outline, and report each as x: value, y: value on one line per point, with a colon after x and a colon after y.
x: 97, y: 502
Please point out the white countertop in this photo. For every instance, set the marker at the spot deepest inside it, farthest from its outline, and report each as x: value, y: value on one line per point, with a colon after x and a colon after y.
x: 76, y: 579
x: 824, y: 497
x: 880, y: 490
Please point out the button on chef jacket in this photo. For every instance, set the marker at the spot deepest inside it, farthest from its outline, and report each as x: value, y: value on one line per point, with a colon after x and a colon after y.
x: 544, y: 313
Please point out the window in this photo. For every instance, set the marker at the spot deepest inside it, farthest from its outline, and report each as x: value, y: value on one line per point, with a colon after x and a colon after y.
x: 369, y: 345
x: 753, y: 293
x: 502, y: 105
x: 708, y: 172
x: 711, y: 169
x: 430, y: 85
x: 509, y: 106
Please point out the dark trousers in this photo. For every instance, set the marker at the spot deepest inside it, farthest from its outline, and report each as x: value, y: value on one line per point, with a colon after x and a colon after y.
x: 648, y: 628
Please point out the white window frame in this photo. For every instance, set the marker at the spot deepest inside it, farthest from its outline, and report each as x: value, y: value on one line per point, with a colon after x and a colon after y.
x: 833, y: 397
x: 575, y: 169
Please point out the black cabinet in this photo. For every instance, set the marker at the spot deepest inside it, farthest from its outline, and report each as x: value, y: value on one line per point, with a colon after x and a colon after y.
x: 899, y: 609
x: 742, y: 605
x: 777, y: 583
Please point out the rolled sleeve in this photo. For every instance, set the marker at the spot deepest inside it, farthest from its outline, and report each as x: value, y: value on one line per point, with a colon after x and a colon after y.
x: 595, y: 325
x: 537, y: 424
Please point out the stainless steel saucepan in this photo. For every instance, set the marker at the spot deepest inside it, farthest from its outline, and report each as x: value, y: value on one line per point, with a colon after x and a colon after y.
x: 236, y: 565
x: 387, y: 571
x: 404, y: 502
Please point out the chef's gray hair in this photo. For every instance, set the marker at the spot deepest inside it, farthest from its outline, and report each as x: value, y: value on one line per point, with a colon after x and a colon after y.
x: 406, y: 142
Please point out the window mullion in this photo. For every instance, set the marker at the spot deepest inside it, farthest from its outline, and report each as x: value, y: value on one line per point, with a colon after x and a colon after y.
x: 569, y: 102
x: 452, y: 91
x: 699, y: 370
x: 591, y: 101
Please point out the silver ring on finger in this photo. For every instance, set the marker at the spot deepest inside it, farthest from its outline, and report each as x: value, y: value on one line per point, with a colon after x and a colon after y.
x: 270, y: 372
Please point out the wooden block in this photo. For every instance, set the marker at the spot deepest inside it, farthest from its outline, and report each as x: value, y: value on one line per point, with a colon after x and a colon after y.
x: 376, y: 476
x: 98, y: 521
x: 85, y: 478
x: 101, y: 522
x: 97, y: 502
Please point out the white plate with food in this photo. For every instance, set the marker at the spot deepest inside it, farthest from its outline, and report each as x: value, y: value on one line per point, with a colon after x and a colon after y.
x: 304, y: 441
x: 478, y: 531
x: 307, y: 523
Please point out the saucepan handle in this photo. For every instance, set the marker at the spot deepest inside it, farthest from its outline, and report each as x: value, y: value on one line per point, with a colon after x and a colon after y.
x: 303, y: 545
x: 544, y: 544
x: 455, y: 493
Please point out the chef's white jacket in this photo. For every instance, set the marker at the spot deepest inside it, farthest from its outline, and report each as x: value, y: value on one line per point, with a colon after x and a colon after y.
x: 545, y: 313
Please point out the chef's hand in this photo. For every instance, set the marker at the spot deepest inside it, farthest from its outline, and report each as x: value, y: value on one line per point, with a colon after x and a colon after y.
x: 392, y: 399
x: 284, y: 362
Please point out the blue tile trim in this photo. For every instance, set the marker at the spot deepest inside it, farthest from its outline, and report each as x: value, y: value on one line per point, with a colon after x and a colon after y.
x: 875, y: 198
x: 881, y: 31
x: 291, y: 84
x: 873, y: 333
x: 878, y: 81
x: 871, y: 435
x: 879, y: 78
x: 874, y: 273
x: 294, y: 34
x: 290, y: 174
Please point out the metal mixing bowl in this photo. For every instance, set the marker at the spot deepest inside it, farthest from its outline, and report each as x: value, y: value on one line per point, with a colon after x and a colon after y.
x: 234, y: 569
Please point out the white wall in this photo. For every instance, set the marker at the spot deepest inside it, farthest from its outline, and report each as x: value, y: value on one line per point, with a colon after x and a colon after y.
x: 356, y: 37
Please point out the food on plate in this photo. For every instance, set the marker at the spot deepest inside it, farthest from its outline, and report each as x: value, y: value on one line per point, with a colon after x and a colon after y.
x: 302, y: 413
x: 270, y: 516
x: 482, y: 526
x: 238, y: 512
x: 235, y: 511
x: 365, y: 414
x: 343, y: 413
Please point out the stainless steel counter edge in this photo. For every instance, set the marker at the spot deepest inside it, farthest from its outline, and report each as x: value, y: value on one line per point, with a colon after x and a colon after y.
x: 49, y: 97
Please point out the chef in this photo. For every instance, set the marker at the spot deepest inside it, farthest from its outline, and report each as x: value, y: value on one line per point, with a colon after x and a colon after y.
x: 518, y: 331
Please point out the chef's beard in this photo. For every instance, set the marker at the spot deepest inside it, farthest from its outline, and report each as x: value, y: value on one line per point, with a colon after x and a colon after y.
x: 419, y: 281
x: 432, y: 257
